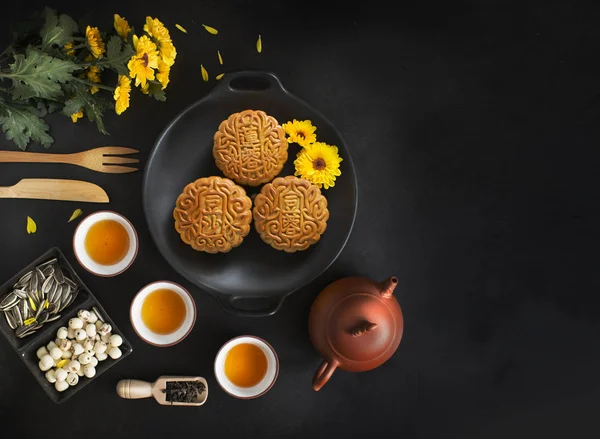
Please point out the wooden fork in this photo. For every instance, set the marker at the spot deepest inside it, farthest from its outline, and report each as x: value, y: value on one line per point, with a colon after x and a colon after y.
x: 97, y: 159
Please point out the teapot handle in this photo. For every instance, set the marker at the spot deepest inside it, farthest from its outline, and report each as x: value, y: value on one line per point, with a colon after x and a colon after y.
x: 324, y: 373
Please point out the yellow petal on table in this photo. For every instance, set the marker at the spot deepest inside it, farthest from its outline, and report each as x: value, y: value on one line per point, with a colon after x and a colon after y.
x: 181, y: 28
x: 61, y: 363
x: 219, y: 76
x: 46, y: 304
x: 210, y: 30
x: 204, y: 73
x: 76, y: 214
x: 259, y: 44
x: 220, y: 57
x: 29, y: 321
x: 31, y: 225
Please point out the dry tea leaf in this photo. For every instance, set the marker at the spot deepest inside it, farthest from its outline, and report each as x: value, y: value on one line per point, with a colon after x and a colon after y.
x: 76, y: 214
x: 210, y: 30
x: 31, y: 225
x: 181, y: 28
x: 219, y: 76
x: 259, y: 44
x: 204, y: 73
x: 220, y: 57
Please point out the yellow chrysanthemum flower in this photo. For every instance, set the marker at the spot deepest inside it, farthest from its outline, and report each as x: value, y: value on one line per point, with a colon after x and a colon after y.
x: 160, y: 34
x: 122, y: 26
x: 76, y: 116
x: 69, y: 49
x: 141, y: 65
x: 301, y: 132
x: 318, y: 163
x: 93, y: 74
x: 163, y: 73
x: 122, y: 94
x: 94, y: 41
x: 156, y: 29
x: 168, y: 52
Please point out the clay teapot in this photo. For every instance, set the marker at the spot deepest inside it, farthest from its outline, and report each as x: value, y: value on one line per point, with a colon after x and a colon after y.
x: 356, y: 324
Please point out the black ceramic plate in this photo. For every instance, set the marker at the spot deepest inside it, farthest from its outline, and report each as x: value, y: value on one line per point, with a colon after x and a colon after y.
x: 27, y: 347
x: 252, y: 279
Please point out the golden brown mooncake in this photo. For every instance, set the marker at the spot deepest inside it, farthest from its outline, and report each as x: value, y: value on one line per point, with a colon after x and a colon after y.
x: 290, y: 214
x: 250, y: 147
x: 213, y: 214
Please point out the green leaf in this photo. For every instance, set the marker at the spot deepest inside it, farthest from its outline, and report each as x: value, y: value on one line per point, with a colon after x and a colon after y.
x: 57, y: 30
x: 22, y: 126
x: 117, y: 55
x: 93, y: 106
x: 36, y: 74
x: 155, y: 90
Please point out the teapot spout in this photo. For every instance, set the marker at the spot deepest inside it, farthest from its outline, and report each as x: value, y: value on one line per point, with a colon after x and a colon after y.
x: 387, y: 287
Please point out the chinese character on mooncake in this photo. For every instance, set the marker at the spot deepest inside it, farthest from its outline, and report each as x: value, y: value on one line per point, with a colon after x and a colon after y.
x: 250, y: 147
x: 213, y: 215
x: 290, y: 214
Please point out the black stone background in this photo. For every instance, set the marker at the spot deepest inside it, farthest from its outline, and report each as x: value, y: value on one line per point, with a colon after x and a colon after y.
x: 474, y: 128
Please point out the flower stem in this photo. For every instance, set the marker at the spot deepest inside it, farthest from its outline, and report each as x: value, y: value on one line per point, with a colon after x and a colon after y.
x: 94, y: 84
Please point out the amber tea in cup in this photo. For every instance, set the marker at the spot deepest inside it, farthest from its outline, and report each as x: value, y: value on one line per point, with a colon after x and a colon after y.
x: 105, y: 243
x: 246, y: 367
x: 163, y: 313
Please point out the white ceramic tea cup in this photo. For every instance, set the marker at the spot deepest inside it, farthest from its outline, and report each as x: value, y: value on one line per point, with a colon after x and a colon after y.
x: 87, y: 262
x: 162, y: 340
x: 264, y: 385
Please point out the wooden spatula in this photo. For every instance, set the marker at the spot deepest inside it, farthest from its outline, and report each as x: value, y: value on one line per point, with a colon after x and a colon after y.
x: 51, y: 189
x: 161, y: 390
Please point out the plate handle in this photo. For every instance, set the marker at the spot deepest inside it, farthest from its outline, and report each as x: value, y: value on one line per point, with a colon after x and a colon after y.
x: 250, y: 306
x: 249, y: 81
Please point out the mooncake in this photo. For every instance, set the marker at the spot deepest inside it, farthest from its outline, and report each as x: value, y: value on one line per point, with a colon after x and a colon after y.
x: 250, y: 147
x: 213, y: 215
x: 290, y: 214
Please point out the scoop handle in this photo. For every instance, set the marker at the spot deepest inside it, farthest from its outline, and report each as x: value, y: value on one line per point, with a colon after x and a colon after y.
x: 134, y: 389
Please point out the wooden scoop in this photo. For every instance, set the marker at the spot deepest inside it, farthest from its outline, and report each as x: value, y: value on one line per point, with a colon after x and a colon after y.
x: 135, y: 389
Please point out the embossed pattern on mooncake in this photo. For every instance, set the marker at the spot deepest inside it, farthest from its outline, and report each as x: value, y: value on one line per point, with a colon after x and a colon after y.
x: 213, y: 214
x: 290, y: 214
x: 250, y: 147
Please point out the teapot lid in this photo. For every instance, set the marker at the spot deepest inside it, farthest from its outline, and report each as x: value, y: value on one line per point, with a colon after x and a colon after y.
x: 362, y: 327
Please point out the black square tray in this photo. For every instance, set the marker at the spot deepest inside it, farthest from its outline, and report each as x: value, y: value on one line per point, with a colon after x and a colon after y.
x: 27, y: 347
